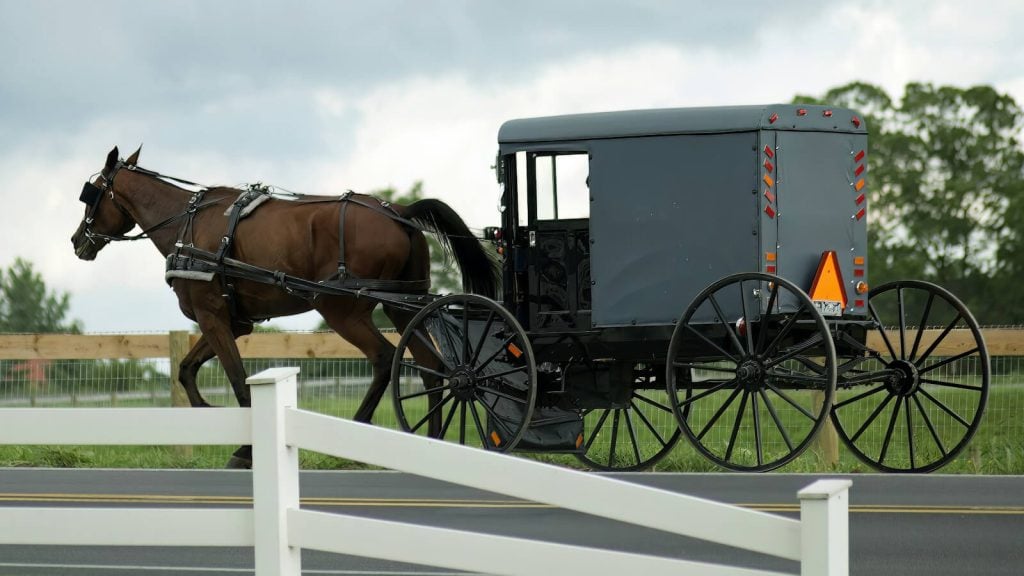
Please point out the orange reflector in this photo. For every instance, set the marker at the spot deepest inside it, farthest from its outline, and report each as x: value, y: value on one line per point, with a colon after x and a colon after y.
x: 768, y: 180
x: 859, y: 185
x: 495, y: 438
x: 858, y: 260
x: 769, y: 256
x: 514, y: 350
x: 579, y: 441
x: 828, y: 280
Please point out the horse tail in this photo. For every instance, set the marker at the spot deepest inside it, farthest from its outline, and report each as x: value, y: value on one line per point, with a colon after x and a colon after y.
x: 479, y: 270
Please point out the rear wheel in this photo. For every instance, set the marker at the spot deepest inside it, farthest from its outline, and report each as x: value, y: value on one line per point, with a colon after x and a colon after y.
x: 915, y: 396
x: 634, y: 435
x: 752, y: 364
x: 464, y: 371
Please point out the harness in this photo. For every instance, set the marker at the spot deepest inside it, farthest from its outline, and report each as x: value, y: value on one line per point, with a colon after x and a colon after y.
x: 192, y: 263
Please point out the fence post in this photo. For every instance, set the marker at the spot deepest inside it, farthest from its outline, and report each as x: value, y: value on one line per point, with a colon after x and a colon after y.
x: 275, y: 472
x: 827, y: 440
x: 825, y: 528
x: 177, y: 348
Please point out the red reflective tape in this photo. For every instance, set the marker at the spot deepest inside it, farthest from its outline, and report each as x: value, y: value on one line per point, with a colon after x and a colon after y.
x: 860, y: 200
x: 859, y: 170
x: 768, y: 151
x: 860, y: 214
x: 858, y: 303
x: 769, y: 269
x: 768, y: 194
x: 858, y: 272
x: 769, y: 211
x: 856, y: 122
x: 773, y: 118
x: 768, y: 165
x: 801, y: 112
x: 859, y: 156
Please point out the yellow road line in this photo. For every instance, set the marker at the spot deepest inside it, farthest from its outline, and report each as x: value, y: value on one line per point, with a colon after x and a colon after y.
x: 455, y: 503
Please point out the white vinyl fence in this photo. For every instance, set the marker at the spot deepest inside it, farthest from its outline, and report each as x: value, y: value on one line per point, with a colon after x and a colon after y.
x: 278, y: 528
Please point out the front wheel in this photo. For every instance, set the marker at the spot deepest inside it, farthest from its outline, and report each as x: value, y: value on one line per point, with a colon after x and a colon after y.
x: 752, y: 367
x: 464, y: 371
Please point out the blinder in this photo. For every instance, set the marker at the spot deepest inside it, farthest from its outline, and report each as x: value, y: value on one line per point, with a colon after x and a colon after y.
x: 90, y: 194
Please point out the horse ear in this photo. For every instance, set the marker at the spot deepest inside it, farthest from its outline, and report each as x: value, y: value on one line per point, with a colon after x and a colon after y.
x: 112, y: 158
x: 133, y: 160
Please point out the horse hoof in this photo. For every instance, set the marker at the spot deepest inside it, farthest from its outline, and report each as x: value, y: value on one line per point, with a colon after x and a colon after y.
x: 236, y: 463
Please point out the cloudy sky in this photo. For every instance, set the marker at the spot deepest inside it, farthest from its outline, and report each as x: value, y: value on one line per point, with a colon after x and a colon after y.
x: 321, y: 97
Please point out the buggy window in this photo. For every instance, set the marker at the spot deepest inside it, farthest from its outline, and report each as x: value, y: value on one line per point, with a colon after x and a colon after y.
x: 557, y: 183
x: 562, y: 191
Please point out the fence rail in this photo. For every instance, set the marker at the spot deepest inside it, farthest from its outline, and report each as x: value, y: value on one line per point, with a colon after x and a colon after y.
x: 278, y: 528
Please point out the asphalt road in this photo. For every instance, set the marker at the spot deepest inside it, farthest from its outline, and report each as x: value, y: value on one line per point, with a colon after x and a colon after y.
x: 904, y: 525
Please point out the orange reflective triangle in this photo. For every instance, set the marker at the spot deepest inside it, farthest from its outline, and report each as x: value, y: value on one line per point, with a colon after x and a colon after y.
x: 828, y: 280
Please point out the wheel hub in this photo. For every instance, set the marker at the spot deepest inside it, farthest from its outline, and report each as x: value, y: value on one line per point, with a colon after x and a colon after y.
x: 750, y: 374
x: 463, y: 383
x: 905, y: 380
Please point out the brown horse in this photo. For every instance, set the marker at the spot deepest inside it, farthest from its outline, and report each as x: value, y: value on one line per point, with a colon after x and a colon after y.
x: 303, y: 238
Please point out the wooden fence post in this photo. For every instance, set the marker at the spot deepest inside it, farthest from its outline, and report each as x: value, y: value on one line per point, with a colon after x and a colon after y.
x: 178, y: 346
x: 826, y: 444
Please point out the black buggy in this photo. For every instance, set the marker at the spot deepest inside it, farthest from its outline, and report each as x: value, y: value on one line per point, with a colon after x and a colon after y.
x: 699, y: 272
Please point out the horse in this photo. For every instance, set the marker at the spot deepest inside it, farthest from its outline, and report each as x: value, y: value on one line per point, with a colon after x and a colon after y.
x: 352, y: 238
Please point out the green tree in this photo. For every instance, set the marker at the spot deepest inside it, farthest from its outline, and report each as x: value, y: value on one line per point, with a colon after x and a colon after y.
x: 26, y: 305
x: 946, y: 175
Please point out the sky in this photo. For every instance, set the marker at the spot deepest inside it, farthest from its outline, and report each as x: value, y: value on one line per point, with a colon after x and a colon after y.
x: 322, y: 97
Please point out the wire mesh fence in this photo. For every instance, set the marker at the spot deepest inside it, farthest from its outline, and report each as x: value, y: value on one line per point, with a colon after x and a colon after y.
x: 337, y: 386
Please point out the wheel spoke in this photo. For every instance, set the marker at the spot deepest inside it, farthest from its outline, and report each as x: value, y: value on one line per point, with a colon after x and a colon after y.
x: 643, y: 418
x: 931, y: 427
x: 421, y: 368
x: 465, y: 330
x: 775, y: 417
x: 448, y: 420
x: 462, y: 423
x: 789, y: 400
x: 632, y: 436
x: 860, y: 396
x: 717, y: 348
x: 736, y: 426
x: 944, y: 408
x: 921, y: 326
x: 483, y: 337
x: 433, y: 410
x: 764, y: 323
x: 942, y: 336
x: 479, y: 425
x: 425, y: 391
x: 903, y: 323
x: 593, y: 435
x: 871, y: 418
x: 881, y: 330
x: 951, y: 385
x: 949, y: 360
x: 615, y: 437
x: 654, y: 403
x: 747, y: 323
x: 757, y: 428
x: 718, y: 414
x: 502, y: 374
x: 888, y: 432
x: 803, y: 347
x: 712, y: 390
x: 501, y: 394
x: 494, y: 355
x: 783, y: 332
x: 728, y: 327
x: 429, y: 345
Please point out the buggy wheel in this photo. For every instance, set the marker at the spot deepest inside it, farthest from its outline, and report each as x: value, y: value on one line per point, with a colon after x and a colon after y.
x: 909, y: 402
x: 464, y: 371
x: 753, y: 366
x: 634, y: 436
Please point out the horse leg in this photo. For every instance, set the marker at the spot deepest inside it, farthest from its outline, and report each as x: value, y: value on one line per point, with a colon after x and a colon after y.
x: 424, y: 357
x: 200, y: 353
x: 220, y: 337
x: 352, y: 320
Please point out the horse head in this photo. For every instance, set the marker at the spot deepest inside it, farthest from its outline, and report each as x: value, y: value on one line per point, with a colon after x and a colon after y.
x: 105, y: 218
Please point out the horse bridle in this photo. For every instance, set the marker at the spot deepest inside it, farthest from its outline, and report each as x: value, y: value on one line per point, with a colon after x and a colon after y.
x: 92, y: 195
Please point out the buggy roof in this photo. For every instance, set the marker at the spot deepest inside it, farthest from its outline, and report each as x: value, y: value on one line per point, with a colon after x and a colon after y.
x: 667, y: 121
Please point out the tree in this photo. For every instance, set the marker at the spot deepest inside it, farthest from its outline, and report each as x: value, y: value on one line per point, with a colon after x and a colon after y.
x: 946, y: 175
x: 27, y: 306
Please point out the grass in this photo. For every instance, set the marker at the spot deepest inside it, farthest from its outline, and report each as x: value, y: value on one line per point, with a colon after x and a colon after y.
x: 997, y: 448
